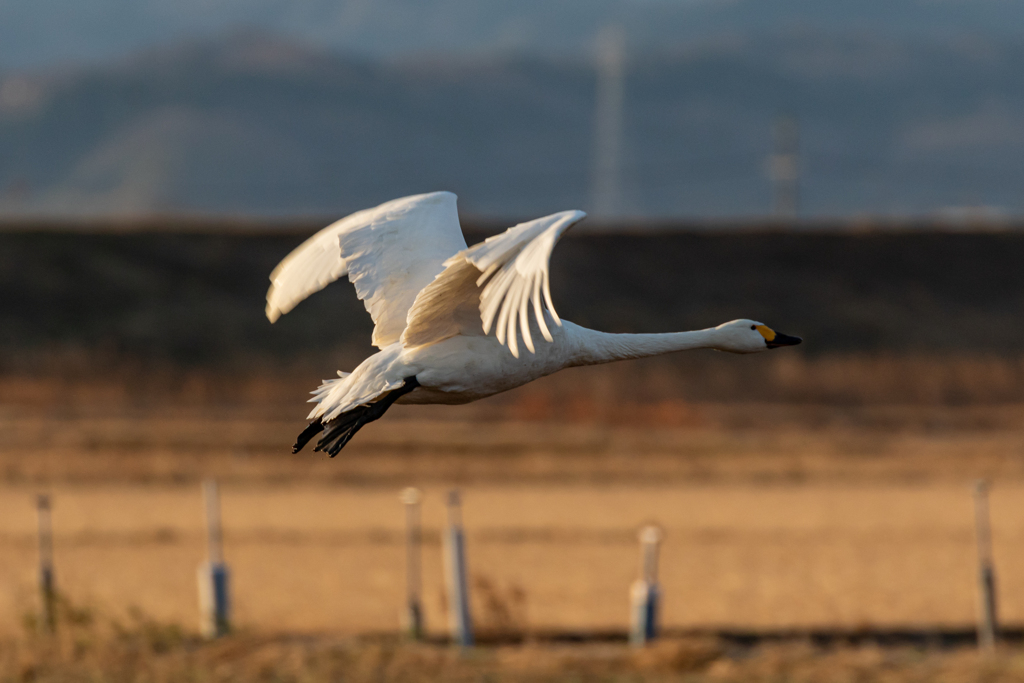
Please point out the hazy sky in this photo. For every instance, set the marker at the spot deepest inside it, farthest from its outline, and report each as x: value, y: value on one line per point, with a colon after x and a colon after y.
x: 37, y: 33
x: 904, y: 106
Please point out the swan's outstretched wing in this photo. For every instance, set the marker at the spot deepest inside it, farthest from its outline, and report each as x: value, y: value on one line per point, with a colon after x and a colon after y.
x: 389, y: 253
x: 493, y: 285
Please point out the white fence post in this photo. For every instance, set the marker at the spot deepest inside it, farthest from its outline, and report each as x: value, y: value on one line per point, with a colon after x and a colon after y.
x: 214, y: 596
x: 987, y: 620
x: 456, y: 574
x: 47, y: 583
x: 413, y: 616
x: 645, y: 592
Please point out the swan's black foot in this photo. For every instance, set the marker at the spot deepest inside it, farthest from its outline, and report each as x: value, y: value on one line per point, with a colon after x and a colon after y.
x: 314, y: 428
x: 341, y: 429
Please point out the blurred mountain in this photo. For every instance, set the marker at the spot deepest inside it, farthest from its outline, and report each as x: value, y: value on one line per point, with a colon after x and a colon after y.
x: 38, y: 32
x: 260, y: 125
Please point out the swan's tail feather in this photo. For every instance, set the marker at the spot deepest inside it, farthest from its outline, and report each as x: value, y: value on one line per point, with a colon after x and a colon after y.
x: 339, y: 431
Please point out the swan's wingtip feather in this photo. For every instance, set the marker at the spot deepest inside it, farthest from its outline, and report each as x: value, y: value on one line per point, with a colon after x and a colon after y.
x: 272, y: 310
x: 530, y: 347
x: 527, y: 337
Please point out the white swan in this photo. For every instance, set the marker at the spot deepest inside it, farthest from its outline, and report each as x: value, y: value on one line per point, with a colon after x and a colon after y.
x: 449, y: 320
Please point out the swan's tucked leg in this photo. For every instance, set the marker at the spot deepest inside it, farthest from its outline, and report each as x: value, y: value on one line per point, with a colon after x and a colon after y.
x: 339, y: 431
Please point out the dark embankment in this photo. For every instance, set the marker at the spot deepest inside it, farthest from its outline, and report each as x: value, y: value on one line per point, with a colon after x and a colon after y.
x: 196, y: 296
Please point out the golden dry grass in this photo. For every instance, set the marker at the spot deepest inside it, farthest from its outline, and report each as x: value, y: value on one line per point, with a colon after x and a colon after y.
x: 837, y: 514
x: 309, y: 558
x: 559, y: 429
x: 154, y: 653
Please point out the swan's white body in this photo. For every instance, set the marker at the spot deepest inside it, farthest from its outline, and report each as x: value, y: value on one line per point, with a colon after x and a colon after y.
x: 454, y: 318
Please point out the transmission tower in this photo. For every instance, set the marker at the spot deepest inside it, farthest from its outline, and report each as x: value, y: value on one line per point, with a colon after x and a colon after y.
x: 784, y: 167
x: 605, y: 181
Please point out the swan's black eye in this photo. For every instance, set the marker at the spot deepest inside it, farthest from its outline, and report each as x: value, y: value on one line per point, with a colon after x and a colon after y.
x: 753, y: 327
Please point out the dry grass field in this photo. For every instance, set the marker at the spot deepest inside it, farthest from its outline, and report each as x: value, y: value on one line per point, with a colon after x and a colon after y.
x: 819, y: 490
x: 146, y: 651
x: 824, y: 511
x: 557, y: 557
x: 777, y: 515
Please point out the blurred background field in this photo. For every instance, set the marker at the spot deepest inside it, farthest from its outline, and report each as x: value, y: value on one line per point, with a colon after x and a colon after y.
x: 847, y: 171
x: 828, y: 488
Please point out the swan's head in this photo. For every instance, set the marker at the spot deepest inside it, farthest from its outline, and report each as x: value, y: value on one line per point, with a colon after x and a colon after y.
x: 750, y: 336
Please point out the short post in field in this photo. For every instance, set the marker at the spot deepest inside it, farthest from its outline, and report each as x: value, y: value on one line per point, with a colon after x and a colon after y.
x: 413, y: 616
x: 456, y: 575
x: 987, y: 617
x: 47, y: 585
x: 214, y: 603
x: 645, y: 592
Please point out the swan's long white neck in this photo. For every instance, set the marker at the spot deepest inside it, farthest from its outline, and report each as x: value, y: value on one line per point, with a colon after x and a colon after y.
x: 590, y: 347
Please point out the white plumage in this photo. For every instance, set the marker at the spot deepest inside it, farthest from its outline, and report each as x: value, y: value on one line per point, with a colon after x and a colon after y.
x: 389, y: 253
x: 448, y: 319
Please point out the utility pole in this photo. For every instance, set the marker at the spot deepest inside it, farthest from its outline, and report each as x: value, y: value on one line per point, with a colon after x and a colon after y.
x: 784, y: 166
x: 605, y: 181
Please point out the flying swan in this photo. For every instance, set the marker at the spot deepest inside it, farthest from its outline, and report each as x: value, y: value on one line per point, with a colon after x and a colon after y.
x: 450, y: 321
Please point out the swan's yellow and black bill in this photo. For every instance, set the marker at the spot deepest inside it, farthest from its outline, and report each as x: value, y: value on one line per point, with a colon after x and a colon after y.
x: 773, y: 339
x: 783, y: 340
